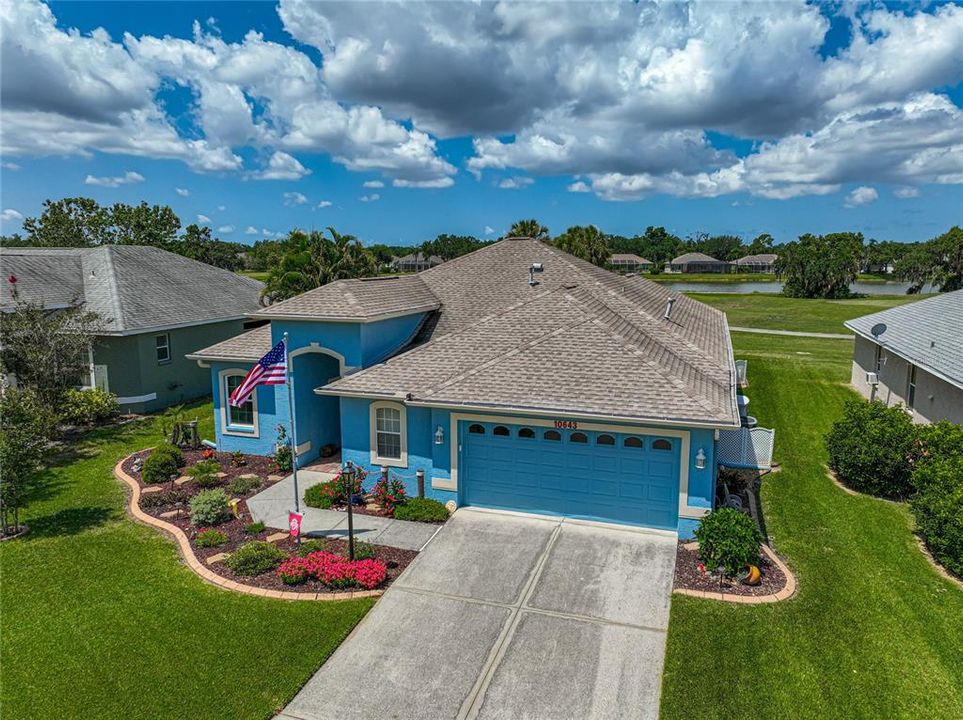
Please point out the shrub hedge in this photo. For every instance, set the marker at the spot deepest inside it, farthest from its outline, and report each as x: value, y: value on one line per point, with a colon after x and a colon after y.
x: 938, y: 509
x: 421, y: 510
x: 86, y: 407
x: 209, y: 507
x: 728, y: 539
x: 872, y: 449
x: 254, y: 558
x: 161, y: 464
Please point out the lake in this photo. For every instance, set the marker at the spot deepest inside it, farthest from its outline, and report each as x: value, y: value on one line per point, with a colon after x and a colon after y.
x: 865, y: 288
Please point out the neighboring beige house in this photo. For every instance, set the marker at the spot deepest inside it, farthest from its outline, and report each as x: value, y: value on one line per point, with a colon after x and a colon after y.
x: 695, y: 262
x: 629, y: 263
x: 415, y: 262
x: 913, y: 355
x: 764, y: 263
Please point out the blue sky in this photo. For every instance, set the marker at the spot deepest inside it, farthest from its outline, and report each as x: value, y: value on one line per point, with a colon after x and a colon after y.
x: 464, y: 118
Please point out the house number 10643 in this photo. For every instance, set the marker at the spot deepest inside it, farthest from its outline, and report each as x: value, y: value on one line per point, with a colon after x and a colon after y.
x: 566, y: 424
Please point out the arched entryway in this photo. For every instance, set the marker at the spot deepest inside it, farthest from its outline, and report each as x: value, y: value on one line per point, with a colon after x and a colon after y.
x: 318, y: 417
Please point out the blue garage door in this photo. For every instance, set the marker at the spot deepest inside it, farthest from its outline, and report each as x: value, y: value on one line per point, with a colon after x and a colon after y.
x: 621, y: 477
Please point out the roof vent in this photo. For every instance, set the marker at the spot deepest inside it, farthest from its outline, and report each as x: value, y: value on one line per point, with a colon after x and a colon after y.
x: 668, y: 308
x: 535, y: 268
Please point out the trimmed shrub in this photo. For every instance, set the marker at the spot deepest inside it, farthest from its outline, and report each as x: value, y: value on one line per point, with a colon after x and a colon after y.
x: 210, y: 538
x: 362, y: 550
x: 209, y: 507
x: 244, y: 485
x: 325, y: 494
x: 939, y: 441
x: 872, y: 448
x: 938, y: 509
x: 86, y: 407
x: 159, y: 499
x: 310, y: 546
x: 254, y: 558
x: 161, y: 464
x: 422, y: 510
x: 254, y: 528
x: 728, y: 539
x: 204, y: 473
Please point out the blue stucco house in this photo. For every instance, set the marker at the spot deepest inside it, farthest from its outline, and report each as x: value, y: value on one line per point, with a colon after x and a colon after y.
x: 517, y: 377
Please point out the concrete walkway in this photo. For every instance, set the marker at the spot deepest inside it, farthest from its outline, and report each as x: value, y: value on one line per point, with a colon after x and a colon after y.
x: 793, y: 333
x: 509, y: 616
x: 271, y: 506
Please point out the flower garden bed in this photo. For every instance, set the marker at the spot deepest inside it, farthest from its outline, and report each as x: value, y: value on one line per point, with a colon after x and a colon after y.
x: 167, y: 505
x: 691, y: 578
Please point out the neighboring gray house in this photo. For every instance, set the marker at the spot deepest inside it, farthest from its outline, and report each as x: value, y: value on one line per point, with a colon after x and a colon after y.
x: 415, y: 262
x: 629, y: 263
x: 913, y: 355
x: 764, y: 263
x: 158, y: 306
x: 695, y: 262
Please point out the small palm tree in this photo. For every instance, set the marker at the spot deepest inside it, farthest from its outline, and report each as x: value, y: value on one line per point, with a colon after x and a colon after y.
x: 528, y: 228
x: 586, y: 242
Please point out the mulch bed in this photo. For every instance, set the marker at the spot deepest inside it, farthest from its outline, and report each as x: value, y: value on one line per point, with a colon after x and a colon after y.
x: 176, y: 497
x: 689, y: 577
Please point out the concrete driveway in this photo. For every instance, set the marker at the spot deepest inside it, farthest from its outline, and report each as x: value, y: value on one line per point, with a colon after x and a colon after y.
x: 507, y: 616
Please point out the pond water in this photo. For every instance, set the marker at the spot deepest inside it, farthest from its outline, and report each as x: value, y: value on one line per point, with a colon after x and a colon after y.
x: 865, y: 288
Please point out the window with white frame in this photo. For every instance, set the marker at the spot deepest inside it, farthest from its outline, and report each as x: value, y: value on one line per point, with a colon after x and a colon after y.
x: 911, y: 386
x: 388, y: 434
x: 243, y: 415
x: 162, y: 347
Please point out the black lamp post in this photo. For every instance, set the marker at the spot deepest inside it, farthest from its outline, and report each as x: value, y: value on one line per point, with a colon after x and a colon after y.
x: 347, y: 475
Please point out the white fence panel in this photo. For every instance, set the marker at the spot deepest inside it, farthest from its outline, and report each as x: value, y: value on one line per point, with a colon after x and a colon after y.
x: 746, y: 448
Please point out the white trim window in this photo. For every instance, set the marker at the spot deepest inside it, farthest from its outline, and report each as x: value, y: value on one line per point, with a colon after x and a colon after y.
x: 389, y: 434
x: 911, y: 386
x: 241, y: 420
x: 162, y: 348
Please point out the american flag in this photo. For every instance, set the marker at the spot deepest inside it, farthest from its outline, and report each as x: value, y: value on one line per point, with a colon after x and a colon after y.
x: 269, y: 370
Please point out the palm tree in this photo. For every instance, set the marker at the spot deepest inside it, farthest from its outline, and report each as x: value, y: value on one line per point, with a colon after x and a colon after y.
x: 528, y: 228
x: 587, y: 243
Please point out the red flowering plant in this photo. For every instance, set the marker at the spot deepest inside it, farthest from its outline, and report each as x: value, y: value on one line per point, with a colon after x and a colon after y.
x: 333, y: 570
x: 389, y: 493
x: 338, y: 485
x: 207, y: 453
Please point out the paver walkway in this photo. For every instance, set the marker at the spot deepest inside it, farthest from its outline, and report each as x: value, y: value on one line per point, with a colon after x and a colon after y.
x: 271, y: 506
x: 508, y: 616
x: 793, y: 333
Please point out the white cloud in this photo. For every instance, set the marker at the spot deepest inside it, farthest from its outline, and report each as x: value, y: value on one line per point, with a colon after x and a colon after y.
x: 324, y: 204
x: 862, y: 195
x: 183, y: 192
x: 373, y: 197
x: 10, y: 165
x: 489, y: 229
x: 906, y: 192
x: 221, y: 208
x: 515, y: 183
x: 442, y: 182
x: 579, y: 186
x: 203, y: 219
x: 226, y: 229
x: 9, y: 215
x: 128, y: 178
x: 373, y: 184
x: 294, y: 198
x: 250, y: 230
x: 269, y: 233
x: 282, y: 166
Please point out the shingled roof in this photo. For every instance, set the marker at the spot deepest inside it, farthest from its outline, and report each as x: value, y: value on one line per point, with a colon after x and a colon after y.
x: 135, y: 288
x: 583, y: 340
x: 361, y: 300
x: 927, y: 333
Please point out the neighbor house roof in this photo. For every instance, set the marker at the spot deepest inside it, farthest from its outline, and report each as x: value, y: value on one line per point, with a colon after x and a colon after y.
x: 628, y: 258
x: 249, y: 347
x: 696, y: 257
x: 581, y: 341
x: 927, y: 333
x: 360, y: 300
x: 418, y: 257
x: 763, y: 259
x: 136, y: 288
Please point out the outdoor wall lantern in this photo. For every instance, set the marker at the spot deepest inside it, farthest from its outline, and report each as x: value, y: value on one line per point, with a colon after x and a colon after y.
x: 700, y: 459
x: 439, y: 435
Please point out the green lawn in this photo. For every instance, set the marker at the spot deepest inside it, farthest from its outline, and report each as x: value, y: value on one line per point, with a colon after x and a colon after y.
x: 257, y: 275
x: 724, y: 278
x: 775, y: 312
x: 874, y: 631
x: 100, y: 619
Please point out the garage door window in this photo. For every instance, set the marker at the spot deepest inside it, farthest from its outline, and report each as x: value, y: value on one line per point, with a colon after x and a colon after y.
x: 605, y: 440
x: 552, y: 435
x: 526, y: 433
x: 578, y: 438
x: 661, y: 445
x: 633, y: 442
x: 476, y: 429
x: 501, y: 431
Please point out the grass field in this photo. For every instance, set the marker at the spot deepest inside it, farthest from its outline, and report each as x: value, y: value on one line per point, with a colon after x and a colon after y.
x: 262, y: 276
x: 723, y: 278
x: 100, y: 619
x: 873, y: 631
x: 775, y: 312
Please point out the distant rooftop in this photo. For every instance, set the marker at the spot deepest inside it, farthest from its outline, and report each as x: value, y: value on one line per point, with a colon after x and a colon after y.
x: 696, y: 257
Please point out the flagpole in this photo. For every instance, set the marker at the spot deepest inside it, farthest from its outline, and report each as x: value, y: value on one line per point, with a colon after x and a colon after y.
x: 293, y: 429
